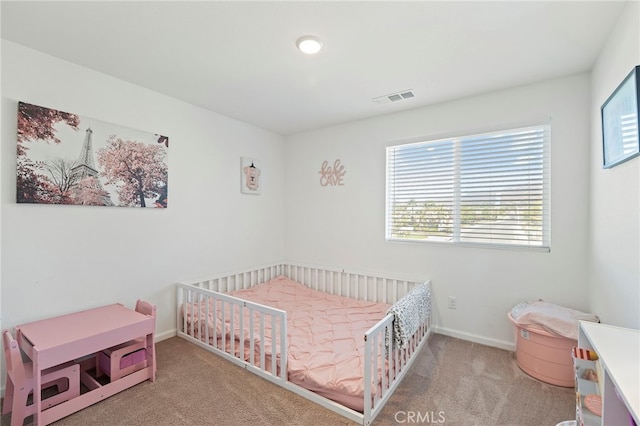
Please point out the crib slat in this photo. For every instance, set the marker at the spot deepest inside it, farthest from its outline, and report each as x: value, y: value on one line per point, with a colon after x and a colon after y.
x: 215, y: 322
x: 262, y: 340
x: 199, y: 302
x: 391, y: 353
x: 223, y: 333
x: 232, y: 337
x: 376, y: 397
x: 241, y: 340
x: 193, y: 307
x: 366, y: 291
x: 367, y: 377
x: 283, y: 349
x: 274, y: 346
x: 252, y: 337
x: 206, y: 329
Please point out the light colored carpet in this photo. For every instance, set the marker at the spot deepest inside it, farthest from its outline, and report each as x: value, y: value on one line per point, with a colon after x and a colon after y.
x: 475, y: 385
x: 452, y: 382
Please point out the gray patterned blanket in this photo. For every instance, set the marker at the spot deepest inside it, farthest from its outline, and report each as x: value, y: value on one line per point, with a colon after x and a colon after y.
x: 409, y: 313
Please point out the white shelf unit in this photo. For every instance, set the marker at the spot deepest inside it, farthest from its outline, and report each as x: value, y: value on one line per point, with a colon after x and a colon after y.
x: 618, y: 351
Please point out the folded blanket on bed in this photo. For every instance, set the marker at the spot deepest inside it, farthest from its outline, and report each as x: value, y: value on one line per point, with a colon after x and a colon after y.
x: 409, y: 313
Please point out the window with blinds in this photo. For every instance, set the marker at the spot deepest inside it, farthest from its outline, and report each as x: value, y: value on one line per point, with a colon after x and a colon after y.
x: 486, y: 189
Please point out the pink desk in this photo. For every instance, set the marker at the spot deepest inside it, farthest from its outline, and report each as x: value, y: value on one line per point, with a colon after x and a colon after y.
x: 54, y: 341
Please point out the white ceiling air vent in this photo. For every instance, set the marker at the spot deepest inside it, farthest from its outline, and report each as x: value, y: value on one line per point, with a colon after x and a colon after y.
x: 394, y: 97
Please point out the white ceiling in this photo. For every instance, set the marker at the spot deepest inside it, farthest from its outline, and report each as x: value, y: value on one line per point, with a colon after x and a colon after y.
x: 239, y: 58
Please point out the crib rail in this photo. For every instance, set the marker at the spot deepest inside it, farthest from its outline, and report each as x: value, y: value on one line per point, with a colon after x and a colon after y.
x: 225, y: 283
x: 358, y: 285
x: 384, y: 367
x: 266, y: 325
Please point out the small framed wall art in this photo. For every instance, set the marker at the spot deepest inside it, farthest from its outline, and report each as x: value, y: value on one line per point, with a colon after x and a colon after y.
x: 250, y: 176
x: 620, y: 138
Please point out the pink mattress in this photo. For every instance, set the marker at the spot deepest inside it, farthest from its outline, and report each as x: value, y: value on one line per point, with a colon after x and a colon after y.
x: 326, y: 346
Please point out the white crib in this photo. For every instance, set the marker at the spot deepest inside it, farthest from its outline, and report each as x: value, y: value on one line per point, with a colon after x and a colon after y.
x: 271, y: 325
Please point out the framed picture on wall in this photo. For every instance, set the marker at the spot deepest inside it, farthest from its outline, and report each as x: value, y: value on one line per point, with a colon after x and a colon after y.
x: 250, y: 176
x: 620, y: 138
x: 67, y: 158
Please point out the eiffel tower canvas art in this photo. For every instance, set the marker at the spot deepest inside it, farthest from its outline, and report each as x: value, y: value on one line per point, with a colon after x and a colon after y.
x: 65, y: 158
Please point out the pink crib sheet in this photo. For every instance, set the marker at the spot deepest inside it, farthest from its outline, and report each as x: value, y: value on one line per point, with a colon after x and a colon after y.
x: 326, y: 346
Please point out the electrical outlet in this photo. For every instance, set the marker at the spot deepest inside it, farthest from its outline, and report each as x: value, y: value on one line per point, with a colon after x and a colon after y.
x: 453, y: 302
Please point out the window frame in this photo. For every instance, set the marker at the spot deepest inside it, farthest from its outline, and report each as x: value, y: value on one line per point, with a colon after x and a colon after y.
x: 456, y: 223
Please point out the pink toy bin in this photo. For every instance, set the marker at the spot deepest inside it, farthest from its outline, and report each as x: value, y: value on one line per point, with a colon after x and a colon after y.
x: 544, y: 356
x: 126, y: 361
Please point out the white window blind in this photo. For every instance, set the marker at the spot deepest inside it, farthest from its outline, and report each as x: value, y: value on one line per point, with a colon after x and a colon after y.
x: 490, y: 188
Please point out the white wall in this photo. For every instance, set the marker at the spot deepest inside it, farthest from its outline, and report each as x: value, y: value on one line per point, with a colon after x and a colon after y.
x: 344, y: 225
x: 614, y: 270
x: 58, y: 259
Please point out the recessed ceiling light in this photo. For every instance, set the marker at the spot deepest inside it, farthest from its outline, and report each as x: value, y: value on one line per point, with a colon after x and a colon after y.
x: 309, y: 44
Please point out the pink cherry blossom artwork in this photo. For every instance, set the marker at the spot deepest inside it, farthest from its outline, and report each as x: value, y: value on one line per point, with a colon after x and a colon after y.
x: 66, y: 158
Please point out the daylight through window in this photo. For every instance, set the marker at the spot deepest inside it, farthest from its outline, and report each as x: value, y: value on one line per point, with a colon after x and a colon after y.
x: 489, y: 189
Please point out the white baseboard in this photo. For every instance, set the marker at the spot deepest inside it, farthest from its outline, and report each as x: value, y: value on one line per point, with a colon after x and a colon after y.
x: 502, y: 344
x: 166, y: 335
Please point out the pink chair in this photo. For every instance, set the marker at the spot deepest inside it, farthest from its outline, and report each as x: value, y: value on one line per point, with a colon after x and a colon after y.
x: 20, y: 383
x: 129, y: 357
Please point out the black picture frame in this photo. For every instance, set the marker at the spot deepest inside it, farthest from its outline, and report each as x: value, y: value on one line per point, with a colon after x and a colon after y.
x: 620, y: 122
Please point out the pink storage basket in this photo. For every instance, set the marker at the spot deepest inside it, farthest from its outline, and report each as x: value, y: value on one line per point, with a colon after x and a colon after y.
x: 544, y: 356
x: 126, y: 361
